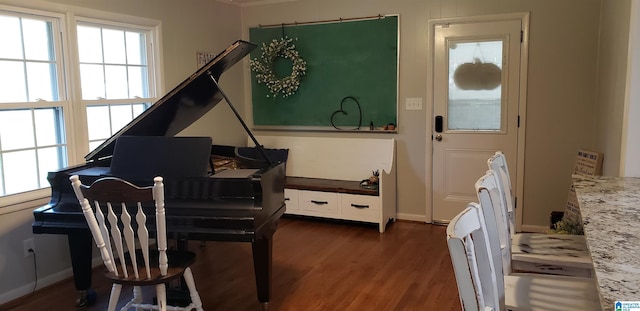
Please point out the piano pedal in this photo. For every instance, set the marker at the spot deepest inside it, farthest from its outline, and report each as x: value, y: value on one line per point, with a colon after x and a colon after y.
x: 203, y: 244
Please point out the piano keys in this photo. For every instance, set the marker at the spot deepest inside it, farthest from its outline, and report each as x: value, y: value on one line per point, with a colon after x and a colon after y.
x: 241, y: 207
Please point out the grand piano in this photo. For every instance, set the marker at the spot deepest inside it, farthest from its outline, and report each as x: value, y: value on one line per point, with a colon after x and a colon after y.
x: 244, y: 208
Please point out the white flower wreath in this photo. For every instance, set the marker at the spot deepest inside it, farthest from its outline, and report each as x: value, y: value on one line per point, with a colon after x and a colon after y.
x: 264, y: 67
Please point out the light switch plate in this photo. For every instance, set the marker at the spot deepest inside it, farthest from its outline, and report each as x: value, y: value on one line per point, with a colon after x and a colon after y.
x: 413, y: 104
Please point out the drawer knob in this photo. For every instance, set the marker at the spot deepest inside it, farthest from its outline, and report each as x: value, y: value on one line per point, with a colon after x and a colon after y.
x: 319, y: 202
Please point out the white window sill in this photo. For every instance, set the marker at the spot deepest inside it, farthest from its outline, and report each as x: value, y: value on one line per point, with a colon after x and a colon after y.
x: 22, y: 201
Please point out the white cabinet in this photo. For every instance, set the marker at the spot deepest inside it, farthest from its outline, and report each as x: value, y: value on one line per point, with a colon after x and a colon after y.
x: 291, y: 200
x: 365, y: 208
x: 318, y: 202
x: 360, y: 207
x: 324, y: 174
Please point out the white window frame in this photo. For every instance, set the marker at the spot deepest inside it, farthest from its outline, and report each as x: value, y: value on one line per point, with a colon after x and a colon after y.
x: 152, y: 63
x: 74, y: 109
x: 59, y: 25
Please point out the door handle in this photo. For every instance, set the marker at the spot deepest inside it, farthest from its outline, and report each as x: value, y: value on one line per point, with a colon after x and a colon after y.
x: 439, y: 124
x: 438, y: 128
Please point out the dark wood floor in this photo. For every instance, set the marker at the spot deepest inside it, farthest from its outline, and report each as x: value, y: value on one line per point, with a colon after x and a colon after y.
x: 317, y: 265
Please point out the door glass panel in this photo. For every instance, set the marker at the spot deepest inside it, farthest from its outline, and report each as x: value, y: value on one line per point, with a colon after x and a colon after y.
x: 475, y: 92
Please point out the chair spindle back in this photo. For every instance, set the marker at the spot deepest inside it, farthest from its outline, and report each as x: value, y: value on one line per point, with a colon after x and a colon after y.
x: 480, y: 280
x: 119, y: 199
x: 495, y: 215
x: 498, y: 163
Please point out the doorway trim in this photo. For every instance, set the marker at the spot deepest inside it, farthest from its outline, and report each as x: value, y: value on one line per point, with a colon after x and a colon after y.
x: 522, y: 104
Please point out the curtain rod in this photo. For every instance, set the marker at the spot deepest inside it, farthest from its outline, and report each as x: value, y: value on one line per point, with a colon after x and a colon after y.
x: 321, y: 21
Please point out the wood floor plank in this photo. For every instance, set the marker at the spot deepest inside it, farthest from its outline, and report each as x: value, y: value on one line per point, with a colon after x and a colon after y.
x: 317, y: 265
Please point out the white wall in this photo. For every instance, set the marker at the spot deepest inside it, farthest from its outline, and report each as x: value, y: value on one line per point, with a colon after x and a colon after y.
x: 561, y: 87
x: 612, y: 82
x: 202, y: 25
x: 630, y: 166
x: 17, y: 273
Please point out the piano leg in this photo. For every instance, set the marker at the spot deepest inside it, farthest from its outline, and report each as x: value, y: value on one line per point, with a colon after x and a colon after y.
x: 80, y: 245
x: 262, y: 247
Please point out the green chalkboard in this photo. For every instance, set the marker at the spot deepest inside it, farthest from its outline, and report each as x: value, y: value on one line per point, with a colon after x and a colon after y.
x: 348, y: 63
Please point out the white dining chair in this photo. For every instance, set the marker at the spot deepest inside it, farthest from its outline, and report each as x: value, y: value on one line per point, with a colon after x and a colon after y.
x: 483, y: 286
x: 118, y: 223
x: 561, y: 254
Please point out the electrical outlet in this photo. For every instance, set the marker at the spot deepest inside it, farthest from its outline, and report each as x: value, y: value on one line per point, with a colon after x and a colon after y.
x: 413, y: 103
x: 28, y: 245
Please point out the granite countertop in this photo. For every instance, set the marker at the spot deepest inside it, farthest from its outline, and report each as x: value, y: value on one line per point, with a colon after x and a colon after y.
x: 610, y: 212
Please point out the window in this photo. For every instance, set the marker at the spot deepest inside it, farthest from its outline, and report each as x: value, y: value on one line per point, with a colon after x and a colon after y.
x: 114, y: 71
x: 43, y: 125
x: 475, y: 85
x: 32, y: 102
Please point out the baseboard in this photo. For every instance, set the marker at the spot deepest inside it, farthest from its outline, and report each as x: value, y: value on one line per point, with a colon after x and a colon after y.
x: 42, y: 283
x: 534, y: 229
x: 412, y: 217
x: 28, y: 288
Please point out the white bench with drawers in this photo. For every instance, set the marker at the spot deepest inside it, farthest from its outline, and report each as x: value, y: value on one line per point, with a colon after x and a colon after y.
x: 324, y: 175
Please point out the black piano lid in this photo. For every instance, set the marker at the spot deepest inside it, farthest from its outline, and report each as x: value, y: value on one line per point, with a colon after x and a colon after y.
x: 185, y: 104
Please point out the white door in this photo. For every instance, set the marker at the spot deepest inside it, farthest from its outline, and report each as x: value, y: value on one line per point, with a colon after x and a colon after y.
x: 476, y: 91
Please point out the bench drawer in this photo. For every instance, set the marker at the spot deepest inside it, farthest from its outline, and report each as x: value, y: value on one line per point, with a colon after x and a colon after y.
x: 360, y: 207
x: 316, y: 201
x: 291, y: 199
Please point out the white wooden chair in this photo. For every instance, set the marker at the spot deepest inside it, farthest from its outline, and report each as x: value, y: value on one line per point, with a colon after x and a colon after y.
x: 118, y: 211
x: 483, y: 286
x: 561, y: 254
